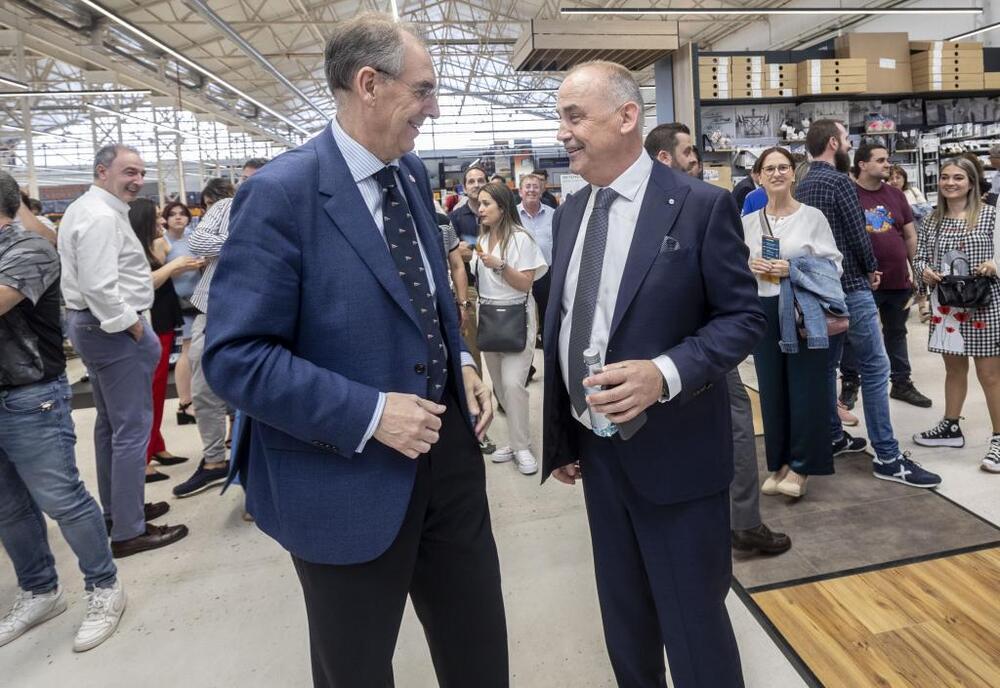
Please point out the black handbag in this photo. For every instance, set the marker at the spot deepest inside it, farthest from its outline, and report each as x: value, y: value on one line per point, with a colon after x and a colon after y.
x: 503, y: 328
x: 962, y: 291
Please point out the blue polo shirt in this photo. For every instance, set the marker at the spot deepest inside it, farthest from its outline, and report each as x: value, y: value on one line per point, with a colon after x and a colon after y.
x: 466, y: 224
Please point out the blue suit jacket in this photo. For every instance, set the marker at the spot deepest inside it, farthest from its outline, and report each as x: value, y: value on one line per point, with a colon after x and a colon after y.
x: 308, y: 320
x: 692, y: 297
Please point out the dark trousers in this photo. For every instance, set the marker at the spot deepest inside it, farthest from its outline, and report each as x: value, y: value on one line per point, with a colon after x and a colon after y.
x: 893, y: 313
x: 794, y: 400
x: 444, y: 557
x: 540, y: 290
x: 663, y: 572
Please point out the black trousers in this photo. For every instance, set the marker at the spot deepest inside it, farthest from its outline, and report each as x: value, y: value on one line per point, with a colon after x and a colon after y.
x: 893, y: 314
x: 444, y: 557
x: 540, y: 290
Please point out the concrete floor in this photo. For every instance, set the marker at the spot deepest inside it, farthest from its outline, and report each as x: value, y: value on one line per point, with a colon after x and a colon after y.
x: 223, y: 607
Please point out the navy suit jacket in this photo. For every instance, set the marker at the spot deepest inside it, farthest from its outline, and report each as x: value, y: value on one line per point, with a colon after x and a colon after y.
x: 692, y: 297
x: 308, y: 320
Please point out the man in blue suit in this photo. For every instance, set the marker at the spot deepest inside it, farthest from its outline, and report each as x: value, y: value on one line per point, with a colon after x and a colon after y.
x: 649, y: 267
x: 332, y: 327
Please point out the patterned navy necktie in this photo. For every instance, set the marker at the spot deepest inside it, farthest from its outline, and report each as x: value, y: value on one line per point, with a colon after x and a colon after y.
x: 401, y: 236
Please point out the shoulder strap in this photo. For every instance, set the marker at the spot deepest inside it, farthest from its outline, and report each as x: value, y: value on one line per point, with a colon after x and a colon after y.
x: 765, y: 222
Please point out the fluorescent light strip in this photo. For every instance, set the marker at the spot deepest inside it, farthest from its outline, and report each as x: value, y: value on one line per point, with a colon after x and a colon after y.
x: 746, y: 11
x: 974, y: 32
x: 190, y: 63
x: 13, y: 82
x: 73, y: 94
x: 140, y: 120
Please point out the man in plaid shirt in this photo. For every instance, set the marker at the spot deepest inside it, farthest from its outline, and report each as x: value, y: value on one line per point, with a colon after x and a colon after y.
x: 828, y: 188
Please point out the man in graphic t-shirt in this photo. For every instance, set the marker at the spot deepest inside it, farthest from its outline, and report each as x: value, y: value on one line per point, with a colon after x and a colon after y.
x: 889, y: 221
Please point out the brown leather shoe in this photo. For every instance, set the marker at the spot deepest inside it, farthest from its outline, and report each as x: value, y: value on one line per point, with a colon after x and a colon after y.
x: 154, y: 538
x: 761, y: 539
x: 151, y: 512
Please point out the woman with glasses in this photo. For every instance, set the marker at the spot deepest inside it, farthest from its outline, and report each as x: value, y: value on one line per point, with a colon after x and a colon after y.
x: 506, y: 265
x: 794, y: 385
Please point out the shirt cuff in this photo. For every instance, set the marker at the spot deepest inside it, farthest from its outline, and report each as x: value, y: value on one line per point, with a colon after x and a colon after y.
x: 468, y: 360
x: 119, y: 323
x: 670, y: 374
x: 373, y: 423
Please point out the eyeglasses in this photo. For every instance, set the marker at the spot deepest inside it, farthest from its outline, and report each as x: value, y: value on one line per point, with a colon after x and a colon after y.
x: 423, y: 91
x: 770, y: 170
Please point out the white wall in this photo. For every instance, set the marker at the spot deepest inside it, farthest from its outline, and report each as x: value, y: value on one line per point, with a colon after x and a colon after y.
x: 763, y: 35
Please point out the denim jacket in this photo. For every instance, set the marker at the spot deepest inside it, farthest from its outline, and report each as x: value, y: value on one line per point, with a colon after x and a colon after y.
x: 814, y: 284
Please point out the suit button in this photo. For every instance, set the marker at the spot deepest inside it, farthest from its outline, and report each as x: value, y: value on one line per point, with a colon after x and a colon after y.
x: 420, y: 369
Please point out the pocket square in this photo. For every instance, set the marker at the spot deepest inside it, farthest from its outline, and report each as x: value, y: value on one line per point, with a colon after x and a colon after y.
x: 669, y: 244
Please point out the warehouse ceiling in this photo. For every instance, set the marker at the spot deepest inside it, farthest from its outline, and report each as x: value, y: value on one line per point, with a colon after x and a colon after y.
x: 256, y: 65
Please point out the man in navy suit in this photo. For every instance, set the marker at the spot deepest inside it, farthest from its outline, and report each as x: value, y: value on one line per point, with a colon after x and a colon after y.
x: 332, y: 327
x: 649, y: 267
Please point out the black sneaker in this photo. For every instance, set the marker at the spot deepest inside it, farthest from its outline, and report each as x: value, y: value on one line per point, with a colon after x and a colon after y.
x: 905, y: 470
x: 848, y: 393
x: 848, y: 444
x: 486, y: 445
x: 947, y: 433
x: 905, y: 391
x: 203, y: 479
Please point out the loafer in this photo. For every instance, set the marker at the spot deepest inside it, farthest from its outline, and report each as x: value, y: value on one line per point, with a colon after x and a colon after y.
x: 150, y: 510
x: 154, y: 538
x: 202, y: 479
x: 761, y: 539
x: 170, y: 460
x: 156, y: 477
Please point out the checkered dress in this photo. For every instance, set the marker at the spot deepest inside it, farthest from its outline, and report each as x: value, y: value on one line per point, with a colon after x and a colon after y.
x: 961, y: 331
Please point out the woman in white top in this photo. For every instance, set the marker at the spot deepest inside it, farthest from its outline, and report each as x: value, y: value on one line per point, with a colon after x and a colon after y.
x: 796, y: 398
x: 506, y: 264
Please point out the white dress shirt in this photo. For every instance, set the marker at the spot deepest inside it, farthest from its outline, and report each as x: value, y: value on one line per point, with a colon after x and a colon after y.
x: 622, y: 217
x: 104, y: 266
x: 523, y: 253
x: 363, y: 164
x: 540, y: 226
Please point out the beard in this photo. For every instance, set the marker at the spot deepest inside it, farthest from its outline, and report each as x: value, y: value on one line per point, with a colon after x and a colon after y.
x: 842, y: 161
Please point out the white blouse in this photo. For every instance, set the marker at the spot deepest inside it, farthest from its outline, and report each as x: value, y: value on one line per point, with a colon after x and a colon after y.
x: 522, y: 254
x: 805, y: 232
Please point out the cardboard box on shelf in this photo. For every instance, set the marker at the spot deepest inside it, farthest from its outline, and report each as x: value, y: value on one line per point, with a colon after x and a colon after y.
x: 713, y: 69
x: 780, y: 92
x: 719, y: 175
x: 966, y: 60
x: 971, y: 83
x: 781, y: 83
x: 991, y: 80
x: 895, y: 79
x: 753, y: 64
x: 873, y: 47
x: 748, y: 93
x: 924, y: 46
x: 843, y: 67
x: 713, y: 79
x: 717, y: 93
x: 777, y: 70
x: 747, y: 81
x: 713, y: 60
x: 812, y: 87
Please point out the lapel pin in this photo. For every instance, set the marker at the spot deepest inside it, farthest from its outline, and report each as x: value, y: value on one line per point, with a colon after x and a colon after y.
x: 411, y: 178
x: 670, y: 201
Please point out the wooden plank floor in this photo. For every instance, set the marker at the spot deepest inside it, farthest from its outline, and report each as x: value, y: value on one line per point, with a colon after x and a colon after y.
x: 934, y: 624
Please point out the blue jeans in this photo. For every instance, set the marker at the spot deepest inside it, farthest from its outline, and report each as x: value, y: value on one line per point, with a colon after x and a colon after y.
x: 38, y: 474
x: 865, y: 336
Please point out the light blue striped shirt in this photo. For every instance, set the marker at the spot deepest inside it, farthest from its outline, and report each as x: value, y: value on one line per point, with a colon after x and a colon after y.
x: 363, y: 165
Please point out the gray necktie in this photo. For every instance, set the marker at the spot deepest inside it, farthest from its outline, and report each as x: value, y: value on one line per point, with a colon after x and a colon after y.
x: 588, y: 283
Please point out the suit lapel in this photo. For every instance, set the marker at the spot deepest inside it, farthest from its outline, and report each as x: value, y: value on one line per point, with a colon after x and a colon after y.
x: 350, y: 215
x: 660, y: 207
x: 565, y: 240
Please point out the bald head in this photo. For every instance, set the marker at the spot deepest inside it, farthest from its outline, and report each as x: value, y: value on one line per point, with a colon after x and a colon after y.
x: 600, y: 114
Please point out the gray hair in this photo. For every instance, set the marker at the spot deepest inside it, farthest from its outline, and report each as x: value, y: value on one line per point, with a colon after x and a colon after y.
x: 10, y: 196
x: 371, y: 40
x: 107, y: 154
x: 995, y: 150
x: 621, y: 85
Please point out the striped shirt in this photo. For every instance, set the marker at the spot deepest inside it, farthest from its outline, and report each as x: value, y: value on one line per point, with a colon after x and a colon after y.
x: 206, y: 242
x: 833, y: 193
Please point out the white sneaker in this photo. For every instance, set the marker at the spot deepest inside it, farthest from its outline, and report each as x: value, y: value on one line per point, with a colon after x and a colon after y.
x: 525, y: 461
x: 502, y: 455
x: 28, y: 611
x: 105, y: 607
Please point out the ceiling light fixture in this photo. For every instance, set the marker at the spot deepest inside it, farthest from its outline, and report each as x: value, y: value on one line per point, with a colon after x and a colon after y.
x: 748, y: 11
x: 74, y: 94
x: 975, y: 32
x: 13, y: 82
x: 131, y: 28
x: 140, y: 120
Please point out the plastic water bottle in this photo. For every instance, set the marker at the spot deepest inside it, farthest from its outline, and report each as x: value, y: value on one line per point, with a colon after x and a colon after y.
x: 599, y: 423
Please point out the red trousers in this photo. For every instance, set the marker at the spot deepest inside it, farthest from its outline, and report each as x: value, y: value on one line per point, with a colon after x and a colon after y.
x: 156, y: 444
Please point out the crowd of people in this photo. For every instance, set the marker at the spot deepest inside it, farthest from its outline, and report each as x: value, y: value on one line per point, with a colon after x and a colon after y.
x: 351, y: 317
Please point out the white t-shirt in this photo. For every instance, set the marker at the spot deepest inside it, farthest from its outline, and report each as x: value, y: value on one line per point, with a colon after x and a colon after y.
x: 522, y: 254
x: 806, y: 232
